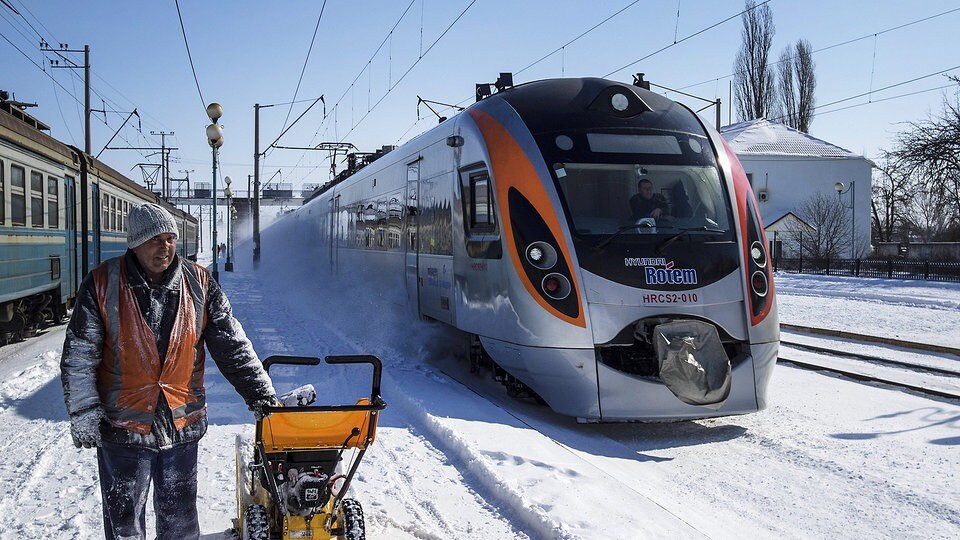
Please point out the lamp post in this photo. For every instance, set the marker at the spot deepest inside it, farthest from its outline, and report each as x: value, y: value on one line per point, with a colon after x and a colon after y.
x: 853, y: 213
x: 228, y: 193
x: 215, y: 140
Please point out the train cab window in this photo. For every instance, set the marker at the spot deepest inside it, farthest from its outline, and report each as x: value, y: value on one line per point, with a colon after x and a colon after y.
x: 53, y: 210
x: 36, y: 199
x: 480, y: 212
x: 18, y: 197
x: 482, y: 233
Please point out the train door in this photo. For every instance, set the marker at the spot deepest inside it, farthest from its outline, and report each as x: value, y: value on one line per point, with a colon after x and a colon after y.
x: 333, y: 217
x: 412, y: 233
x: 70, y: 205
x: 95, y: 240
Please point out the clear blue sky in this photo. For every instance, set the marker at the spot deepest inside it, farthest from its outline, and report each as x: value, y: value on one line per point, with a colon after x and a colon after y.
x: 247, y: 52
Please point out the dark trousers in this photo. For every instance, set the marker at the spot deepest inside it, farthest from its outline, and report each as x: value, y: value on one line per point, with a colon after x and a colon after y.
x: 126, y: 474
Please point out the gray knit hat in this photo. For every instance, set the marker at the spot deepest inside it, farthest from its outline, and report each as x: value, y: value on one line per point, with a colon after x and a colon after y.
x: 146, y: 221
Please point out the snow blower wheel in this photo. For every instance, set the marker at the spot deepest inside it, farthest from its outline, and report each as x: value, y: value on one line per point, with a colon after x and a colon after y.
x: 351, y: 519
x: 256, y: 523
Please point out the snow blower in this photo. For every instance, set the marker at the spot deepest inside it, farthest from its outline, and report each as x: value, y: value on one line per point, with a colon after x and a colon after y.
x: 291, y: 481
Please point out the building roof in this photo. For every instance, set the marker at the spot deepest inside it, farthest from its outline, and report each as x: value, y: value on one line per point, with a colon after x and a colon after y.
x: 767, y: 138
x: 786, y: 219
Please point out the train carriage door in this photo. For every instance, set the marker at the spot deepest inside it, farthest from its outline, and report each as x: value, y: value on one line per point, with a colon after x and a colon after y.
x: 334, y: 234
x: 412, y: 235
x: 70, y: 206
x: 94, y: 254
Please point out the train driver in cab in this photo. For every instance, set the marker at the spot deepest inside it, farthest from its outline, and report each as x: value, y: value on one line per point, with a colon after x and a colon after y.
x: 646, y: 203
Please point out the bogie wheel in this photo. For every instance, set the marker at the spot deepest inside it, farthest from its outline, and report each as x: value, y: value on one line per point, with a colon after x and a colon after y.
x: 351, y: 521
x: 256, y: 523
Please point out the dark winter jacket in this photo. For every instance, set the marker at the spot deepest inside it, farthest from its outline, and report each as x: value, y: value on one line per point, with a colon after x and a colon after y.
x: 642, y: 208
x: 83, y: 352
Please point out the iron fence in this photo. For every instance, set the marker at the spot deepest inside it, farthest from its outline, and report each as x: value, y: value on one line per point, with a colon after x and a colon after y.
x: 875, y: 268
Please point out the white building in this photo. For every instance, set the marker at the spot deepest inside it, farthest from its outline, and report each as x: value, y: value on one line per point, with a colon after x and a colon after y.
x: 787, y: 167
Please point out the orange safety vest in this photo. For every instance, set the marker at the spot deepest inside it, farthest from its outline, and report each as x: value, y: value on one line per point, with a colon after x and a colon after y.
x: 131, y: 376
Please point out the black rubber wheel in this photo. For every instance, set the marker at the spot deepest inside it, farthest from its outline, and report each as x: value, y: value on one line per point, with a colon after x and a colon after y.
x: 256, y: 523
x: 351, y: 520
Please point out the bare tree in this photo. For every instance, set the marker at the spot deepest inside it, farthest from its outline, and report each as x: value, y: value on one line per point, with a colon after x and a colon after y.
x: 892, y: 190
x: 934, y: 145
x: 925, y: 218
x: 797, y: 83
x: 930, y: 150
x: 754, y: 81
x: 831, y: 235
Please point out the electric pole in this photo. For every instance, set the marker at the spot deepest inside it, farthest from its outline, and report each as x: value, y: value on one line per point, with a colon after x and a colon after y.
x: 165, y: 161
x: 84, y: 205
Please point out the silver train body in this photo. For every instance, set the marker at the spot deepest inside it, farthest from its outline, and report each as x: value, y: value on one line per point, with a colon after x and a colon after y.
x: 513, y: 222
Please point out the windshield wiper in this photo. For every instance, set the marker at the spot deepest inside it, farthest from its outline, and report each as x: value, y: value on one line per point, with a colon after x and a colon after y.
x: 625, y: 228
x: 686, y: 230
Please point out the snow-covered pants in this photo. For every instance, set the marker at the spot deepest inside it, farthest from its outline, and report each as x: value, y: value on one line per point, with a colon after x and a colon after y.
x: 125, y: 476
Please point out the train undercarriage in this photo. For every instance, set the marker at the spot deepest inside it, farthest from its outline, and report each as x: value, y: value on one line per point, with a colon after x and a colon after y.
x: 25, y: 317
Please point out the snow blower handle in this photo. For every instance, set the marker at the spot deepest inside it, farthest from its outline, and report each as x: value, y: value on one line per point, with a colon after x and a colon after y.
x: 290, y: 360
x: 363, y: 359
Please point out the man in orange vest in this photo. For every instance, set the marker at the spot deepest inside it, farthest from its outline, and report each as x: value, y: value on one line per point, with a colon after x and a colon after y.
x: 132, y: 373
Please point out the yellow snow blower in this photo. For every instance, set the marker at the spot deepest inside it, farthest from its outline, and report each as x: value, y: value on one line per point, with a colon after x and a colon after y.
x: 291, y: 481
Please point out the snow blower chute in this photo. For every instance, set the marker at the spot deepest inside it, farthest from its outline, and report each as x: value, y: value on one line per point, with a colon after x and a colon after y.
x: 291, y: 481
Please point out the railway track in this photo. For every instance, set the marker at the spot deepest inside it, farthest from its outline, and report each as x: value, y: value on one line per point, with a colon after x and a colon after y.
x: 919, y: 367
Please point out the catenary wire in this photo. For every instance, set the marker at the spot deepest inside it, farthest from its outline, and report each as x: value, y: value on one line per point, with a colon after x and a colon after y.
x: 183, y: 30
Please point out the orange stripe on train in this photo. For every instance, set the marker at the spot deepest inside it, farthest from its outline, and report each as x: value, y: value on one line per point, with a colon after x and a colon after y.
x: 512, y: 168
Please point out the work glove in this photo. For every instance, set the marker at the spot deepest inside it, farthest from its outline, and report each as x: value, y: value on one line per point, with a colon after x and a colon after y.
x: 85, y: 427
x: 299, y: 397
x: 258, y: 405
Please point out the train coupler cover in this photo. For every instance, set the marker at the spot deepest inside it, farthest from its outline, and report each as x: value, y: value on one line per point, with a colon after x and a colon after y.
x: 693, y: 364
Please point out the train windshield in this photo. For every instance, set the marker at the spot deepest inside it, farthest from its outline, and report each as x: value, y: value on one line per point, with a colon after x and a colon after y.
x: 634, y: 185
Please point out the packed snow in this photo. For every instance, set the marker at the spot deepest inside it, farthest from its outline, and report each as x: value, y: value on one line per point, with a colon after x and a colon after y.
x: 455, y: 458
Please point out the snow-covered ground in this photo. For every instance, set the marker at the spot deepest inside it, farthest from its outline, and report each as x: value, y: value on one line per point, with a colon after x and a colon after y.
x: 456, y: 459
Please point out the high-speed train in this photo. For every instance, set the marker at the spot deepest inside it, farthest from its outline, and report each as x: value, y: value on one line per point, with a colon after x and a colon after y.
x: 520, y: 222
x: 46, y: 246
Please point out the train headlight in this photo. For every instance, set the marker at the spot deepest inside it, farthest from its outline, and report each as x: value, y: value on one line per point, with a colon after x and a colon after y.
x: 758, y: 255
x: 758, y: 281
x: 619, y: 102
x: 541, y: 255
x: 556, y: 286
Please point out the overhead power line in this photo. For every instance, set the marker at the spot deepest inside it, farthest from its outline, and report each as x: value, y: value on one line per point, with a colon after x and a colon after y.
x: 562, y: 47
x: 203, y: 103
x: 304, y: 69
x: 835, y: 45
x: 871, y: 92
x: 712, y: 26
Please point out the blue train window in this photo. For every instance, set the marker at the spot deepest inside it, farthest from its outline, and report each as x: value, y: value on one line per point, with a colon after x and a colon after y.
x: 36, y: 199
x: 18, y: 198
x: 53, y: 217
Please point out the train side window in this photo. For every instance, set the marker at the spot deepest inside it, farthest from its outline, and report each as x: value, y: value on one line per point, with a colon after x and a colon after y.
x: 53, y: 210
x: 113, y: 213
x: 105, y: 221
x: 123, y: 217
x: 36, y: 199
x: 18, y: 197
